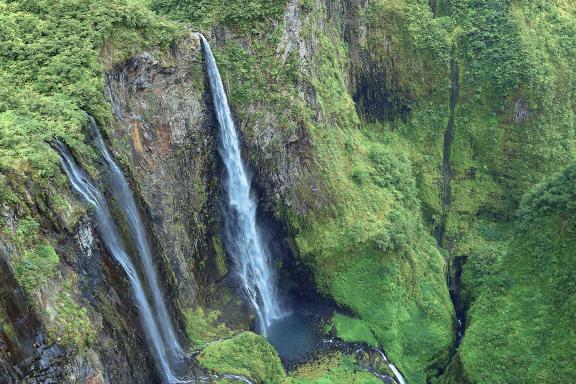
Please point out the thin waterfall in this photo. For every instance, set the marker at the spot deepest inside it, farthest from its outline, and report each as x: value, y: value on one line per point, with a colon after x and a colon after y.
x: 123, y: 194
x: 397, y: 373
x: 111, y: 237
x: 241, y: 237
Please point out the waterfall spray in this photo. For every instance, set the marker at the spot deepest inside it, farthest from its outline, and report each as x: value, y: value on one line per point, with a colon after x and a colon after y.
x: 241, y: 237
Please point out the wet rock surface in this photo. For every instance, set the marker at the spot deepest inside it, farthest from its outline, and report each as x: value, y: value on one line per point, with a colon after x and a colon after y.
x: 165, y: 134
x: 27, y: 353
x: 24, y: 350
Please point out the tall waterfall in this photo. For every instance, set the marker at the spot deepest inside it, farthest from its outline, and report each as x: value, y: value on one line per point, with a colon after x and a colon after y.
x: 241, y: 237
x: 111, y: 237
x: 125, y: 197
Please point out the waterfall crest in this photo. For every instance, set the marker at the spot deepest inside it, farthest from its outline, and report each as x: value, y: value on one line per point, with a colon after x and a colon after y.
x: 125, y: 197
x: 241, y: 237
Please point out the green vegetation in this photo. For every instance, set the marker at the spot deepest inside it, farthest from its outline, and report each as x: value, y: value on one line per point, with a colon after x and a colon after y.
x: 243, y: 16
x: 248, y: 355
x: 370, y: 250
x: 53, y: 55
x: 350, y: 329
x: 38, y: 260
x: 517, y: 136
x: 35, y: 267
x: 332, y: 369
x: 51, y: 75
x: 72, y: 327
x: 522, y: 322
x: 202, y: 327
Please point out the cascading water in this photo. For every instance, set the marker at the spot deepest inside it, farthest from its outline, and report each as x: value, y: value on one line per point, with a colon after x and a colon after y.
x: 110, y: 235
x: 125, y: 197
x: 241, y: 237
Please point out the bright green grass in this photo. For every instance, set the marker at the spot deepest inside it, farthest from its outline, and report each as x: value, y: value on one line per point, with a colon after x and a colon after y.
x: 332, y: 369
x: 351, y: 329
x: 248, y: 355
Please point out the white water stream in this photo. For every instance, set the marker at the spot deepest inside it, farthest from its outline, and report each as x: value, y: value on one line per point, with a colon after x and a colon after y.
x: 111, y: 237
x: 241, y: 237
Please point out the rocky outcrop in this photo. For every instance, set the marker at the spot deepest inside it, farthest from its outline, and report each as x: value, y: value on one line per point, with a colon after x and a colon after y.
x: 276, y: 144
x: 24, y: 349
x: 30, y: 352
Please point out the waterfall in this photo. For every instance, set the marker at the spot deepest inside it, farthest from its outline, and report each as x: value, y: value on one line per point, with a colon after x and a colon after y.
x: 241, y: 237
x: 394, y: 370
x: 125, y: 197
x: 111, y: 237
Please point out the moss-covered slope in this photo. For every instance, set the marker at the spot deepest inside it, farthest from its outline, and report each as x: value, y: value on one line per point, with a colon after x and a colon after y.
x: 522, y: 324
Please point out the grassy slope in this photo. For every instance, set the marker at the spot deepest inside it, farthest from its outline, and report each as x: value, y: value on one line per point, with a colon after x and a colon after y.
x: 522, y: 59
x: 371, y: 254
x: 513, y: 58
x: 246, y: 354
x: 522, y: 324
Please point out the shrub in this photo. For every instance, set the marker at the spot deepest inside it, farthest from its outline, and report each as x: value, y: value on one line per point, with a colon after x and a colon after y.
x: 36, y: 266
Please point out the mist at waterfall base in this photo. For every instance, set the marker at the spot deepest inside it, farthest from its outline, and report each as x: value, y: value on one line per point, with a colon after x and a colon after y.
x: 290, y: 332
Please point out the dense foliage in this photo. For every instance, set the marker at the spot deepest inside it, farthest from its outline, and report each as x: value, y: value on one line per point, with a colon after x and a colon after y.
x: 243, y: 16
x: 522, y: 324
x: 51, y: 75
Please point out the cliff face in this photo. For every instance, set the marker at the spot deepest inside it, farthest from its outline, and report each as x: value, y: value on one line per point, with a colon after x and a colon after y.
x: 370, y: 126
x: 165, y: 133
x: 48, y: 337
x: 328, y: 177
